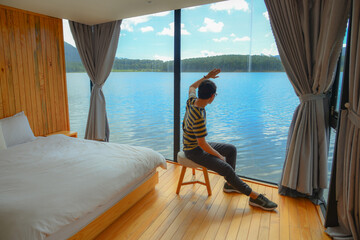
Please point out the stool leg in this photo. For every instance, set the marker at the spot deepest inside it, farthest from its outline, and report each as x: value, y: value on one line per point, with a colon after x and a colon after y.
x: 182, y: 174
x: 193, y: 176
x: 207, y: 181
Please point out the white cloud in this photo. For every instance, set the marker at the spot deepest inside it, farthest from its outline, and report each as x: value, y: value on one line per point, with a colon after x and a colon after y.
x: 191, y: 8
x: 183, y: 30
x: 147, y: 29
x: 167, y: 31
x: 222, y: 39
x: 67, y: 33
x: 129, y: 23
x: 160, y: 14
x: 272, y: 51
x: 137, y: 20
x: 163, y: 58
x: 232, y: 35
x: 126, y: 26
x: 203, y: 53
x: 243, y: 39
x: 266, y: 15
x: 211, y: 26
x: 207, y: 53
x: 170, y: 31
x: 238, y: 5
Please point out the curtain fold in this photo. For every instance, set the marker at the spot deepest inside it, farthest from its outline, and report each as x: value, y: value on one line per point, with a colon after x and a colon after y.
x: 97, y: 46
x: 347, y: 178
x: 309, y: 37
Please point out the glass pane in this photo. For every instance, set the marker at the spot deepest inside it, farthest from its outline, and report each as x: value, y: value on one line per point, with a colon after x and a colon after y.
x: 139, y: 91
x: 140, y: 109
x: 253, y: 110
x: 337, y: 109
x: 342, y: 62
x: 78, y: 84
x: 330, y: 160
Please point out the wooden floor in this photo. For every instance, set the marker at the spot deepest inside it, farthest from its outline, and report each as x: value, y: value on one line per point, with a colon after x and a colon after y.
x: 193, y: 215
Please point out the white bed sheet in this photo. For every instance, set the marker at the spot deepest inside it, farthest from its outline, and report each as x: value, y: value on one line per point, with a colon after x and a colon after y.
x: 51, y: 182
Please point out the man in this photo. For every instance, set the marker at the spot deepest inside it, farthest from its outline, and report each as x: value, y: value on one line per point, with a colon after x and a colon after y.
x: 217, y: 157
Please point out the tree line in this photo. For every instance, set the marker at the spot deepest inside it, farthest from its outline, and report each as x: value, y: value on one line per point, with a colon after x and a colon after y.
x: 227, y: 63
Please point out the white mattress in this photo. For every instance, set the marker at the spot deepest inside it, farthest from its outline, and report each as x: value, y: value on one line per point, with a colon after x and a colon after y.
x: 74, y: 227
x: 53, y: 182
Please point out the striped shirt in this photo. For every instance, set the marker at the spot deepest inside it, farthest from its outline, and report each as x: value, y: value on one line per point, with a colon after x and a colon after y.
x: 194, y: 123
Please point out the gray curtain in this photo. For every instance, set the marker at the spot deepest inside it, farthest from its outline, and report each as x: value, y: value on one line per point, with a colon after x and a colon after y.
x: 97, y: 46
x: 309, y: 35
x: 347, y: 178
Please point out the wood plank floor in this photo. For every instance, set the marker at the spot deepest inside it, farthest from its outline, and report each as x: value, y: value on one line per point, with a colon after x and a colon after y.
x: 193, y: 215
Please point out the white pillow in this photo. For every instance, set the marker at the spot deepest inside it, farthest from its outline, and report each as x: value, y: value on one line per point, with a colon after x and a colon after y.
x: 2, y: 140
x: 16, y: 130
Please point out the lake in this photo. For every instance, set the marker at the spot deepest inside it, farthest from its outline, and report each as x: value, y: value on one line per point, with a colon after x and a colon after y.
x: 253, y: 111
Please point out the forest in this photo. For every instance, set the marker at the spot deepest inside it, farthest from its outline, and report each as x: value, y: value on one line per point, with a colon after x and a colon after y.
x: 227, y: 63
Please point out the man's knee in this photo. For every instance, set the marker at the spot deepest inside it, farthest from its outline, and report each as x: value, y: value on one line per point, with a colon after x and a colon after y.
x: 231, y: 149
x: 226, y: 170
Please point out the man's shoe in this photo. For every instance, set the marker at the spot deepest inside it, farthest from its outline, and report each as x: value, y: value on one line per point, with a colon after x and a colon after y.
x: 229, y: 189
x: 262, y: 202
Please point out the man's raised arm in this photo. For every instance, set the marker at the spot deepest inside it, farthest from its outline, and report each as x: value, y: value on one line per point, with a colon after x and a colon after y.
x: 212, y: 74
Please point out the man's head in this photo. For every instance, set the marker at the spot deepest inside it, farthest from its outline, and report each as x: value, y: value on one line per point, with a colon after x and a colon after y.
x: 207, y: 89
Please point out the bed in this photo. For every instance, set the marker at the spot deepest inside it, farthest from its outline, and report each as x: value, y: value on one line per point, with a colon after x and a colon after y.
x: 54, y: 187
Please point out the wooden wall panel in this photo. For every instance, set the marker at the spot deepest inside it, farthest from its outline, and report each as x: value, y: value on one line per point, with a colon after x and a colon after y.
x: 32, y: 70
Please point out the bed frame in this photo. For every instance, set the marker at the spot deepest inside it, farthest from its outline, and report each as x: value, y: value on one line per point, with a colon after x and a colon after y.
x: 94, y: 228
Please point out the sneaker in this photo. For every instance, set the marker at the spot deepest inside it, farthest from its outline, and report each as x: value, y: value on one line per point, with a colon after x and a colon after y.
x: 262, y: 202
x: 229, y: 189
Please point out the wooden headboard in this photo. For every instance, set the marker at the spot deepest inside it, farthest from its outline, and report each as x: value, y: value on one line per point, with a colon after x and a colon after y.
x: 32, y: 70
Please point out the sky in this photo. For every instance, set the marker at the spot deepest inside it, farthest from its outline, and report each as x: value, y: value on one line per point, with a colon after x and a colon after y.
x: 229, y: 27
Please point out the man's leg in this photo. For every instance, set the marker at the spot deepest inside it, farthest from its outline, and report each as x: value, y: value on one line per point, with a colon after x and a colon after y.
x: 230, y: 154
x: 227, y: 150
x: 215, y: 164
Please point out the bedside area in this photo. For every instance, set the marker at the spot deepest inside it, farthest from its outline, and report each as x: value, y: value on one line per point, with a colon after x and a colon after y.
x: 66, y: 133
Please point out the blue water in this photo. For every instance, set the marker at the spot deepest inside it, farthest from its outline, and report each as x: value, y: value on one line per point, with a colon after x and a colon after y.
x: 253, y: 111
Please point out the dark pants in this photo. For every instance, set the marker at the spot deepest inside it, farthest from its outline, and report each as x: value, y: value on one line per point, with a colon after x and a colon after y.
x: 225, y: 169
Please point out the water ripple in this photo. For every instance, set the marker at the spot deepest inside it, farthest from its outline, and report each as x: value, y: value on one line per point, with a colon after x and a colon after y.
x: 253, y: 111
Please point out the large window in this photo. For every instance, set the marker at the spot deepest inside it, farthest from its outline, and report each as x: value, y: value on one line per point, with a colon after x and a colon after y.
x: 255, y: 101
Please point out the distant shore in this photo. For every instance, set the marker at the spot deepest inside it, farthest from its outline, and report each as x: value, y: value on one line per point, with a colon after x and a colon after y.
x: 227, y: 63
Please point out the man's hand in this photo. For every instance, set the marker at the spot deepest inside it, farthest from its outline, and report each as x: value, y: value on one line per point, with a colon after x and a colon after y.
x: 207, y: 148
x: 213, y: 73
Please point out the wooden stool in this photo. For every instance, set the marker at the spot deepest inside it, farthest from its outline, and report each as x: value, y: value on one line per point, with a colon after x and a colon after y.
x: 185, y: 162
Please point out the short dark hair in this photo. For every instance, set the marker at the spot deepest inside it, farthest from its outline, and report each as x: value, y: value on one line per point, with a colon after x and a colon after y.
x: 206, y: 89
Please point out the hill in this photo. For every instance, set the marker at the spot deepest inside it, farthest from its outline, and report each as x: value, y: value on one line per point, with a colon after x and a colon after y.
x: 227, y: 63
x: 72, y: 59
x: 71, y: 53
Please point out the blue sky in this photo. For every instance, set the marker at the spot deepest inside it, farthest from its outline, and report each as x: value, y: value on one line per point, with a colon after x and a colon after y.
x: 207, y: 30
